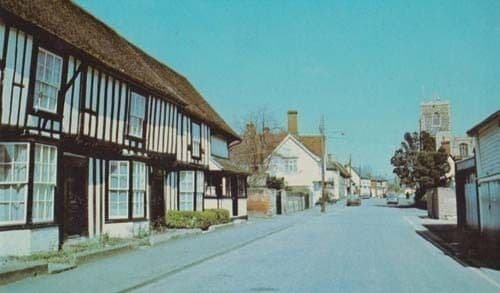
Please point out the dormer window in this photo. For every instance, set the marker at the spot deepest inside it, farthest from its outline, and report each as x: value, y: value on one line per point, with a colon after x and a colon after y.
x: 48, y: 81
x: 137, y: 115
x: 195, y: 140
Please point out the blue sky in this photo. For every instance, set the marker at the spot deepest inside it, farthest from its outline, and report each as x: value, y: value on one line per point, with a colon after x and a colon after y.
x: 365, y: 65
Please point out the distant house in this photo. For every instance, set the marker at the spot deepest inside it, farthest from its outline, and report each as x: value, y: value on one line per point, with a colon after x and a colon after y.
x: 354, y: 181
x: 365, y: 190
x: 378, y: 187
x: 478, y: 181
x: 337, y: 178
x: 288, y: 154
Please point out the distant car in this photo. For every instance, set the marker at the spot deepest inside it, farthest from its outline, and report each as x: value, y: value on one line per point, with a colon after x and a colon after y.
x: 353, y: 200
x: 392, y: 199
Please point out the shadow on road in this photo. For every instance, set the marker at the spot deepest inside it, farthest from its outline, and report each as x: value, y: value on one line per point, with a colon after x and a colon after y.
x: 466, y: 248
x: 405, y: 206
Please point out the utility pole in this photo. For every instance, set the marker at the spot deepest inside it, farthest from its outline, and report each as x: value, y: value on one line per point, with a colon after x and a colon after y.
x: 324, y: 195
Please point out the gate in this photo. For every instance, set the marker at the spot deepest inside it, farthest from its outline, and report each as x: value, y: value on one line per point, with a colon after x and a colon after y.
x: 278, y: 202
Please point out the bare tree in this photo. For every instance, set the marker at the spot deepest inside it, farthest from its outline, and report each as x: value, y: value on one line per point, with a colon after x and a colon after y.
x: 259, y: 131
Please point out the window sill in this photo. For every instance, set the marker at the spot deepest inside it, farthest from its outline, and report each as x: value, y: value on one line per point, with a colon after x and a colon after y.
x: 24, y: 226
x: 125, y: 220
x: 47, y: 115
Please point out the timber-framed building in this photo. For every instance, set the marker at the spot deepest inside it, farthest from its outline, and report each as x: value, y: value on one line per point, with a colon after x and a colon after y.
x: 96, y: 136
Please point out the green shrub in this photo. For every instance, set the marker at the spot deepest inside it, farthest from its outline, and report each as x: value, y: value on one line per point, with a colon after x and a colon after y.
x: 198, y: 219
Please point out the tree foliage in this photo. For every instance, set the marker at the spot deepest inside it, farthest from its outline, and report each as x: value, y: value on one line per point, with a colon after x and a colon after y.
x: 418, y: 164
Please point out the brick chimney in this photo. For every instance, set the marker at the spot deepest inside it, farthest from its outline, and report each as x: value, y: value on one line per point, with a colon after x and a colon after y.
x: 292, y: 122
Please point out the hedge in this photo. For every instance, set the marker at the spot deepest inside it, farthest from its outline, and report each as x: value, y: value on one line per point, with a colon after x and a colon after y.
x: 198, y: 219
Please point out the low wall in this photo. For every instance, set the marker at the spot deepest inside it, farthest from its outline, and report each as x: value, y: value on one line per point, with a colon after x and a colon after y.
x: 28, y: 241
x: 441, y: 203
x: 126, y: 229
x: 261, y: 201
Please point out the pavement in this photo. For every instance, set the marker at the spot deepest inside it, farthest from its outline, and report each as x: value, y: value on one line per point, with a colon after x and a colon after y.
x: 370, y: 248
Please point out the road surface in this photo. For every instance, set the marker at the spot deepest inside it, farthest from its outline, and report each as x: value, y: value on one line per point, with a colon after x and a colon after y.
x: 371, y: 248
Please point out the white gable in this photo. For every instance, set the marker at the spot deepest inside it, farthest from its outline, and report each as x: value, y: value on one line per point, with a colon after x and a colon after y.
x: 308, y: 165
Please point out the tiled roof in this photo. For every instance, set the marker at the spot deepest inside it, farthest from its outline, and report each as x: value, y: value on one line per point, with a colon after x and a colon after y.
x: 91, y: 36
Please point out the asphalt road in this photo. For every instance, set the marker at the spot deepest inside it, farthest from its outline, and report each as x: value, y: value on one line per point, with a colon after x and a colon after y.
x: 371, y: 248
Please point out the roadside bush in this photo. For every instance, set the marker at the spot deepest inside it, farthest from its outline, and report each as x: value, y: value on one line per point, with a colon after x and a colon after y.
x: 198, y: 219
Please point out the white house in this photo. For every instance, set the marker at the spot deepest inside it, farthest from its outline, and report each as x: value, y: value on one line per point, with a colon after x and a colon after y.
x: 355, y: 180
x: 337, y: 178
x: 298, y: 159
x: 300, y: 167
x: 365, y: 185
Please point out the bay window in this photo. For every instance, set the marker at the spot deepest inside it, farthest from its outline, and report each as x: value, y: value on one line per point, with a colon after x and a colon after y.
x: 139, y: 189
x: 118, y: 189
x: 195, y: 140
x: 13, y: 182
x: 186, y: 190
x: 44, y: 183
x: 47, y: 81
x: 137, y: 115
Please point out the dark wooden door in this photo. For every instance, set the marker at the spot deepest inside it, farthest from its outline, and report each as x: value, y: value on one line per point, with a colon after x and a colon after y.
x: 157, y: 199
x: 75, y: 196
x: 234, y: 195
x: 278, y: 202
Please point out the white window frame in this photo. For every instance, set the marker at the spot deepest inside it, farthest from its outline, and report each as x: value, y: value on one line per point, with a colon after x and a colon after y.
x: 39, y: 81
x: 463, y: 149
x: 136, y: 130
x: 186, y: 194
x: 291, y: 165
x: 119, y: 190
x: 11, y: 183
x: 43, y: 178
x: 195, y: 140
x: 436, y: 115
x: 200, y: 189
x: 138, y: 189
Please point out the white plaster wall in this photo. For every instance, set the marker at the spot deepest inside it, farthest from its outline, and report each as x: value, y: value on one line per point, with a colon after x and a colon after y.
x: 126, y: 230
x: 210, y: 203
x: 227, y: 203
x: 242, y: 207
x: 308, y: 169
x: 25, y: 242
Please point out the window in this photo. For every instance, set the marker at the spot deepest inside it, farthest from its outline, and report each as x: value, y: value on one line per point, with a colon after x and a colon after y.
x: 186, y: 192
x: 137, y: 114
x: 200, y: 187
x: 219, y: 147
x: 436, y: 119
x: 44, y: 184
x: 195, y: 140
x: 139, y: 189
x: 48, y: 80
x: 291, y: 165
x: 118, y: 189
x: 13, y: 182
x: 241, y: 186
x: 464, y: 150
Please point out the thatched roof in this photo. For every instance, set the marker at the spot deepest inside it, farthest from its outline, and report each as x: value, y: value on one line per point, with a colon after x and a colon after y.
x: 80, y: 29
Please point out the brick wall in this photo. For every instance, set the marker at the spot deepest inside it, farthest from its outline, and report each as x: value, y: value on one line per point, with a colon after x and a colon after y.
x: 260, y: 201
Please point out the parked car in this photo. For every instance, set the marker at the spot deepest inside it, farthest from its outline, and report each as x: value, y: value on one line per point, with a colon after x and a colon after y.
x: 392, y: 199
x: 353, y: 200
